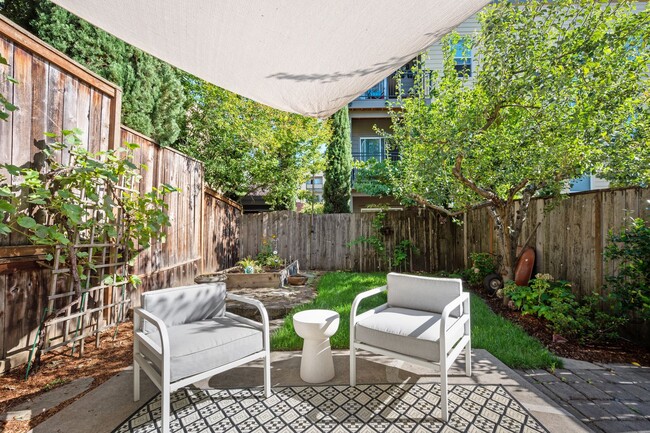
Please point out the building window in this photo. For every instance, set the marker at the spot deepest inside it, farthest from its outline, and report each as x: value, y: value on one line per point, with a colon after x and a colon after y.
x: 371, y: 148
x: 315, y: 181
x: 463, y: 57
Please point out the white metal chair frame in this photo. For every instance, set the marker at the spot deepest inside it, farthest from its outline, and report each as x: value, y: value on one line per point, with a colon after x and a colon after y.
x: 162, y: 381
x: 449, y: 350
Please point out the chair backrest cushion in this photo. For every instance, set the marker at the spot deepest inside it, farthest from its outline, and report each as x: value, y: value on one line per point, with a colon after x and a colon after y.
x: 422, y: 293
x: 186, y: 304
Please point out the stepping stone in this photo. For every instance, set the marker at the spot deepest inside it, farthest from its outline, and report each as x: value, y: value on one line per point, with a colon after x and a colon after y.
x: 46, y: 401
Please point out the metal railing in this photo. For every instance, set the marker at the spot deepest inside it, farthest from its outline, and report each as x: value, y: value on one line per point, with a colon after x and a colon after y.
x: 388, y: 87
x: 393, y: 155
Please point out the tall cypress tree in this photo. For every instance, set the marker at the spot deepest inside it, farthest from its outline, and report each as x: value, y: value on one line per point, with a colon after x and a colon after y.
x: 336, y: 192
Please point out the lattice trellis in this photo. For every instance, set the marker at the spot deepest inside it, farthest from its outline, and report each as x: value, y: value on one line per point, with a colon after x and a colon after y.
x: 78, y: 309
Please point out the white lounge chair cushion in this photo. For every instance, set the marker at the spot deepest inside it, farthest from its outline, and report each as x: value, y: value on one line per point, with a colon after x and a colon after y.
x: 410, y: 332
x: 422, y: 293
x: 201, y: 346
x: 185, y: 304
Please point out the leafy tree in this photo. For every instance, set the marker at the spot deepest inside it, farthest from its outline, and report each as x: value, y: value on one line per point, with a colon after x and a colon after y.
x: 561, y: 92
x: 153, y: 96
x: 336, y: 191
x: 630, y: 286
x: 248, y: 147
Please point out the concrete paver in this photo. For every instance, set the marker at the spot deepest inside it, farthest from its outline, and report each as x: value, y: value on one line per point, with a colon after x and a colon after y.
x: 637, y: 426
x: 33, y: 407
x: 590, y: 391
x: 641, y: 408
x: 564, y: 391
x: 608, y: 398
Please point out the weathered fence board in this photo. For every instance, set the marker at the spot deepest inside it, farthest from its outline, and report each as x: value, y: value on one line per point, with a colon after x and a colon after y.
x: 55, y: 93
x: 177, y: 260
x: 323, y: 241
x: 220, y: 233
x: 569, y: 236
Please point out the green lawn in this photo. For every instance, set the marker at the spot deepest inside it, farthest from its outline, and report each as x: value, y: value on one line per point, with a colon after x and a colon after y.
x: 336, y: 291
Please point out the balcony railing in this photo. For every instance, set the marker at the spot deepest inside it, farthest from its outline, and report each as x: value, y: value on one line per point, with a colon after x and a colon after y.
x: 388, y: 88
x: 393, y: 155
x: 378, y: 156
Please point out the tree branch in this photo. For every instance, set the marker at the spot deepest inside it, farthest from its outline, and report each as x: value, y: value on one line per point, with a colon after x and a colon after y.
x: 458, y: 174
x: 515, y: 189
x: 426, y: 203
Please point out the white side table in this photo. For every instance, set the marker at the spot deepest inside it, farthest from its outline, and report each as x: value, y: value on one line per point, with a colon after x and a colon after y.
x: 316, y: 327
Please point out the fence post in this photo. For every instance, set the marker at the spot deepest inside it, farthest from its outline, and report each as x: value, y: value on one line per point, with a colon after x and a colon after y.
x: 598, y: 232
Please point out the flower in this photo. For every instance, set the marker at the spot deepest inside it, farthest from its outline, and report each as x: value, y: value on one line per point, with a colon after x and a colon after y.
x: 275, y: 253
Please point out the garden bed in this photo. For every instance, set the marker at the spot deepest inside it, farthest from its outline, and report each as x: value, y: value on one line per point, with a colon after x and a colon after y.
x: 616, y: 351
x: 236, y: 278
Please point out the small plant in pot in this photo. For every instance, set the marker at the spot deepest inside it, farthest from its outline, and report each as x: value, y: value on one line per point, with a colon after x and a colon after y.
x: 268, y: 257
x: 249, y: 265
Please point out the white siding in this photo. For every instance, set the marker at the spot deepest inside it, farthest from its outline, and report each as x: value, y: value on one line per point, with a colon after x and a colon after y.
x: 470, y: 26
x: 598, y: 183
x: 435, y: 59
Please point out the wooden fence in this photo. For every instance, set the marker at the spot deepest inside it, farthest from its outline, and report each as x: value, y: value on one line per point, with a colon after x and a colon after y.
x: 177, y: 260
x: 572, y: 233
x: 323, y: 241
x: 220, y: 235
x: 53, y: 94
x: 569, y: 240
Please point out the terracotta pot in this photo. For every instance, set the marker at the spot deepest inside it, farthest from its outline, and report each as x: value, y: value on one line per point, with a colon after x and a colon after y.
x: 297, y: 280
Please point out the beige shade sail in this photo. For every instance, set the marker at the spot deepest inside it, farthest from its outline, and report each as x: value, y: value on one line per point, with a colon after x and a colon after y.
x: 304, y: 56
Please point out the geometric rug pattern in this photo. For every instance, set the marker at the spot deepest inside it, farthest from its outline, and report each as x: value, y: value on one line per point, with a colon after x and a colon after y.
x: 389, y: 408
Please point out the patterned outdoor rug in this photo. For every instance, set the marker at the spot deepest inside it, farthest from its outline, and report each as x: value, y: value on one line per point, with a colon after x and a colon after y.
x: 365, y: 408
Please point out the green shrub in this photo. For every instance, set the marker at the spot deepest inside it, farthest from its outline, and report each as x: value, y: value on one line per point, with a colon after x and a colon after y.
x: 630, y: 287
x: 483, y: 264
x: 553, y: 301
x: 587, y: 322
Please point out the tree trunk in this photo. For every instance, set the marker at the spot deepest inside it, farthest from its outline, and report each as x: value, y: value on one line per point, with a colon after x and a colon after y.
x: 507, y: 235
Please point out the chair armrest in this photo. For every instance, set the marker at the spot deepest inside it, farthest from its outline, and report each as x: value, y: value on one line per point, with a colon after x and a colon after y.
x: 463, y: 298
x: 364, y: 295
x: 260, y: 307
x: 355, y: 306
x: 139, y: 315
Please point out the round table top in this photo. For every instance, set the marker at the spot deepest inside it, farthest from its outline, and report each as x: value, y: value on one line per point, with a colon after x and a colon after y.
x: 315, y: 316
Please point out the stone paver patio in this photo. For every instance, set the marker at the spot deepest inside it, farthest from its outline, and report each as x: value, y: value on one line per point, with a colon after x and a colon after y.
x: 609, y: 398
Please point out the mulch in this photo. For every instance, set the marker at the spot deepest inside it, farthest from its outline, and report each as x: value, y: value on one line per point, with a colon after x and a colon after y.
x: 620, y: 351
x: 60, y: 367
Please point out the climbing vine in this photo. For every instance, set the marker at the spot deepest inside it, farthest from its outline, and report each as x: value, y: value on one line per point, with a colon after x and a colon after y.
x: 393, y: 257
x: 6, y: 107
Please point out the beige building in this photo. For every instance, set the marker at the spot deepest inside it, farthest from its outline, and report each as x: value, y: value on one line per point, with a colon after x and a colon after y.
x: 369, y: 114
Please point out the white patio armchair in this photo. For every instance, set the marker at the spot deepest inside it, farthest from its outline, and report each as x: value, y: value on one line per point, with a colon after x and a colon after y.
x: 425, y: 322
x: 183, y: 335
